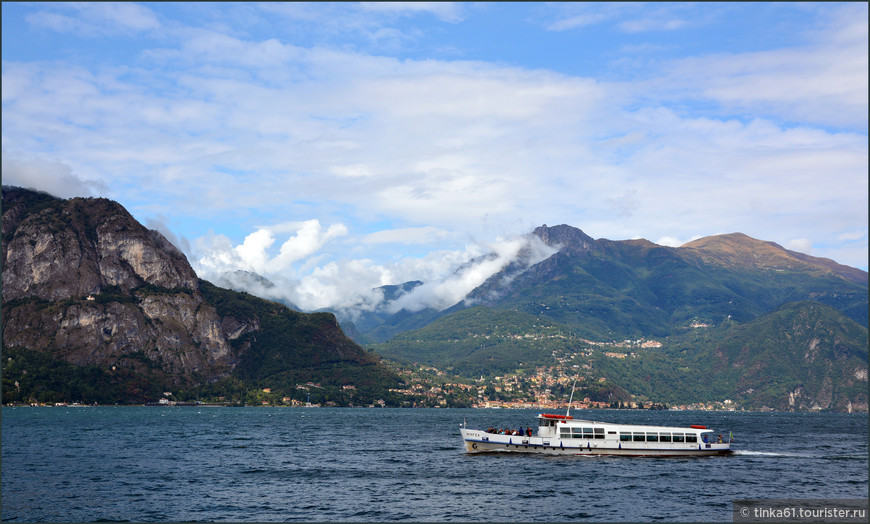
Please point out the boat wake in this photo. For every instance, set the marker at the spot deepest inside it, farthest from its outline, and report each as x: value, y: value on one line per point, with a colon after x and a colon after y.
x: 748, y: 453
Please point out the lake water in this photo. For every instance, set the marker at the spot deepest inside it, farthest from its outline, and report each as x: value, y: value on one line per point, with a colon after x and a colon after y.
x: 279, y: 464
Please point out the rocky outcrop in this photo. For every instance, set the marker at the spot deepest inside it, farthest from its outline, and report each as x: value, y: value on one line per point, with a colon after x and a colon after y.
x: 566, y: 239
x: 75, y: 248
x: 84, y: 280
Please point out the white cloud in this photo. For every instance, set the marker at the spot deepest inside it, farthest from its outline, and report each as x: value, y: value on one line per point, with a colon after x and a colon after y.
x: 230, y: 125
x: 669, y: 242
x: 98, y: 18
x: 824, y: 81
x: 407, y: 236
x: 349, y: 284
x: 575, y: 15
x: 307, y: 241
x: 651, y: 24
x: 801, y: 245
x: 445, y: 11
x: 255, y: 254
x: 452, y: 288
x: 53, y: 177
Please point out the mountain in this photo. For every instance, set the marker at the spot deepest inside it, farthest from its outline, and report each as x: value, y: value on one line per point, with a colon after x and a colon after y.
x: 737, y: 250
x: 804, y: 355
x: 97, y: 307
x: 594, y: 292
x: 627, y: 289
x: 378, y: 322
x: 249, y: 282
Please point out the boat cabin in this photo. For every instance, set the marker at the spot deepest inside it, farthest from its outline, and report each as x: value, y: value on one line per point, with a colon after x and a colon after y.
x: 567, y: 427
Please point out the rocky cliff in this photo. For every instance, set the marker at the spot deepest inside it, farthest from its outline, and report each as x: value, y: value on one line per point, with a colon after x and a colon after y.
x: 84, y: 282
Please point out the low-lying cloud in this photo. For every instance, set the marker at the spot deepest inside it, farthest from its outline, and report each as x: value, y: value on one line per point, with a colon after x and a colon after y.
x: 291, y: 273
x: 54, y: 177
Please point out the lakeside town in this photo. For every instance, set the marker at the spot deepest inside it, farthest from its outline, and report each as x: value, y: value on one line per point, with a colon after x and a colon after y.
x: 545, y: 388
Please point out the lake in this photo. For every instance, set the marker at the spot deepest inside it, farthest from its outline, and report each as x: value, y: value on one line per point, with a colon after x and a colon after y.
x: 337, y: 464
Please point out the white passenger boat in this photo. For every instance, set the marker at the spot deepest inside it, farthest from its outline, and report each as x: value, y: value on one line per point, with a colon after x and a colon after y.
x: 565, y: 435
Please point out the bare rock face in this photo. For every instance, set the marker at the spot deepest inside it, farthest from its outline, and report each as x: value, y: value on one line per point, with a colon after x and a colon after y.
x: 77, y: 247
x: 127, y: 259
x: 84, y: 280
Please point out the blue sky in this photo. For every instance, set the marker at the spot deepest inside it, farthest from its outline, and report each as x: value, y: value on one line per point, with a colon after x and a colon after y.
x: 338, y: 147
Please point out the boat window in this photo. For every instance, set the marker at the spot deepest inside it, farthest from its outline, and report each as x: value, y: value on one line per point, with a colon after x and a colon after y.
x: 599, y: 432
x: 625, y: 437
x: 678, y: 437
x: 652, y: 437
x: 664, y: 437
x: 565, y: 433
x: 639, y: 437
x: 691, y: 437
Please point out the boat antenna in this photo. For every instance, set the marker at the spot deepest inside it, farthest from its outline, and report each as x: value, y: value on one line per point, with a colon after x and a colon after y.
x: 570, y: 400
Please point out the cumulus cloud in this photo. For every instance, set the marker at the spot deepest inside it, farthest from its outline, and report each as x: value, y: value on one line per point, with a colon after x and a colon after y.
x: 254, y: 254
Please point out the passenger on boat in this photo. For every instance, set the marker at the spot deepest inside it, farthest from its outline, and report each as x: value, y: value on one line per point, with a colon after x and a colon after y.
x: 529, y: 431
x: 705, y: 438
x: 720, y: 439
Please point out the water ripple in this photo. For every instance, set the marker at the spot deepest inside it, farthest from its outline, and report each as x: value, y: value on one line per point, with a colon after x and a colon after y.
x: 157, y: 464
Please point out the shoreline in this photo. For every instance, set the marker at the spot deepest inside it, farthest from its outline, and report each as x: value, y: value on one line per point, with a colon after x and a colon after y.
x: 214, y: 405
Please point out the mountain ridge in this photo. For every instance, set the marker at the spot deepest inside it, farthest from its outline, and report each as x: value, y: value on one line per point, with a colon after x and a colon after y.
x: 739, y: 248
x: 603, y: 291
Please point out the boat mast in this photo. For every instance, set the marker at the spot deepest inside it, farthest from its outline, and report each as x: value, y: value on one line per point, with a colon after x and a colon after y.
x: 570, y: 400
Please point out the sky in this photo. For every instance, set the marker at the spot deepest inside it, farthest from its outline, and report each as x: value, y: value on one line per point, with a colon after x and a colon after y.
x: 337, y: 147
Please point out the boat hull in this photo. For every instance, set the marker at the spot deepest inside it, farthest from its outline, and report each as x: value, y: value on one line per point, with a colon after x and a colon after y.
x: 477, y: 441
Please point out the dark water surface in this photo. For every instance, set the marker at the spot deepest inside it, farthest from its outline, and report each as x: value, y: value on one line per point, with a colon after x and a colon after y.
x: 278, y: 464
